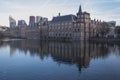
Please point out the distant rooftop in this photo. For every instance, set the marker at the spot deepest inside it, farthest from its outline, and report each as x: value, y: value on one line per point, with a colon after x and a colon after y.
x: 63, y: 18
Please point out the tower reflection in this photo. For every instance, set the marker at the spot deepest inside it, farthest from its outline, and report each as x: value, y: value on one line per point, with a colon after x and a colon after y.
x: 70, y: 53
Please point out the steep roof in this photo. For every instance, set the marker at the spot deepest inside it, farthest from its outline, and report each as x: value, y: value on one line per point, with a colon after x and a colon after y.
x: 63, y: 18
x: 80, y: 9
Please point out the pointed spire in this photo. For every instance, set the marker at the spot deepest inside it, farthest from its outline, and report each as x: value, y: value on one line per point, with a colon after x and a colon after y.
x: 80, y: 9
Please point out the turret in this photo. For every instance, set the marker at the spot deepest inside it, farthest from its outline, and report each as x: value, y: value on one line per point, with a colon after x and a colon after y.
x: 79, y: 12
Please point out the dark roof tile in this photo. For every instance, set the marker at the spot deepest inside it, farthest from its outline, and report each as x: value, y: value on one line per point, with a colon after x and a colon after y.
x: 63, y: 18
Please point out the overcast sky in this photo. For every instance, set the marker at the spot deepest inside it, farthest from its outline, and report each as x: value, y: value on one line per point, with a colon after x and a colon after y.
x: 106, y: 10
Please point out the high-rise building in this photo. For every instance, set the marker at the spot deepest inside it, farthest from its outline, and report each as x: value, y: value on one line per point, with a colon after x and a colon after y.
x: 22, y: 23
x: 41, y: 21
x: 32, y: 21
x: 12, y: 22
x: 38, y: 19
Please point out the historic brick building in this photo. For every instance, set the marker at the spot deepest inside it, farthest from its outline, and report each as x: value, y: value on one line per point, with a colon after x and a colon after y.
x: 70, y: 27
x: 61, y: 27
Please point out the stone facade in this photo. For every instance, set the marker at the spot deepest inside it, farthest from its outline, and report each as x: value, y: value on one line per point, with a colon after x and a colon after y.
x: 59, y: 28
x: 70, y: 27
x: 95, y: 25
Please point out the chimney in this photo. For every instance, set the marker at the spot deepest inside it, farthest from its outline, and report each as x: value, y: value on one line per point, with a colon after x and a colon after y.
x: 58, y: 14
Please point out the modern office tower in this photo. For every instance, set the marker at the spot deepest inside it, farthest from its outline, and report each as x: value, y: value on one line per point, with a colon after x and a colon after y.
x: 12, y: 22
x: 22, y: 23
x: 32, y: 21
x: 38, y: 19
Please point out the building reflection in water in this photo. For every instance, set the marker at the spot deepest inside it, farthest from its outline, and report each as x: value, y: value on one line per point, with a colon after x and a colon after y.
x: 78, y: 53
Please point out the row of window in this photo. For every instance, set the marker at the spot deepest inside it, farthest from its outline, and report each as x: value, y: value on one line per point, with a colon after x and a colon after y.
x: 66, y: 35
x: 66, y: 30
x: 59, y: 27
x: 66, y: 26
x: 61, y: 24
x: 60, y: 35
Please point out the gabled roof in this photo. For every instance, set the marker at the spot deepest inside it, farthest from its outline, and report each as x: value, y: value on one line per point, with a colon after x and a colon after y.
x: 63, y: 18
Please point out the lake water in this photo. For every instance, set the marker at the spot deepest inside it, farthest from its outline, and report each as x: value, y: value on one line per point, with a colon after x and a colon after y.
x: 52, y: 60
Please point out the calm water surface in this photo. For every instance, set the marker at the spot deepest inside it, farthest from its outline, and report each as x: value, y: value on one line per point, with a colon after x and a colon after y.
x: 39, y: 60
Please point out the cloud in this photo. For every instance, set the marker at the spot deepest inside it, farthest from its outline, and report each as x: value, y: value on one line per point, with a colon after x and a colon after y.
x: 103, y: 9
x: 22, y: 9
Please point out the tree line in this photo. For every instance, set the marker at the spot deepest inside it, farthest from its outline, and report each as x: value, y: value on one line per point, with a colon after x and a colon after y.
x: 104, y: 30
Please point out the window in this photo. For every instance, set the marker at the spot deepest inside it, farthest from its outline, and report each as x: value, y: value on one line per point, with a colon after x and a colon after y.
x: 62, y: 24
x: 58, y: 27
x: 70, y: 23
x: 70, y: 35
x: 66, y: 23
x: 75, y: 30
x: 66, y: 35
x: 75, y: 25
x: 59, y: 35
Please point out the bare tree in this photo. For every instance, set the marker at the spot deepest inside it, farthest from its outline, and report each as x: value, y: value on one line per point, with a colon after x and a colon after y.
x: 103, y: 29
x: 117, y: 32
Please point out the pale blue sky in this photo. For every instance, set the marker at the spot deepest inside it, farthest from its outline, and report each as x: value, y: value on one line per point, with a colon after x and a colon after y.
x: 106, y: 10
